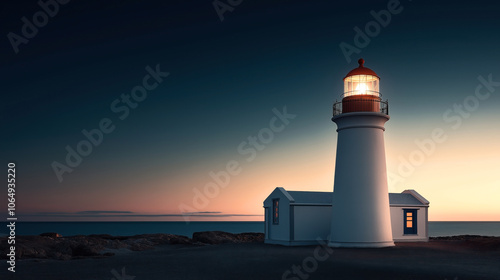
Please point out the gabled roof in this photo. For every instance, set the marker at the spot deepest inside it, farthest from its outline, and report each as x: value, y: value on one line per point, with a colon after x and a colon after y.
x: 417, y: 196
x: 311, y: 197
x: 285, y: 193
x: 406, y: 198
x: 278, y: 193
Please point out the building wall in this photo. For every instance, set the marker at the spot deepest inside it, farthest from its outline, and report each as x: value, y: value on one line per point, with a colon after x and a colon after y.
x: 266, y: 222
x: 281, y: 231
x: 311, y: 222
x: 397, y: 220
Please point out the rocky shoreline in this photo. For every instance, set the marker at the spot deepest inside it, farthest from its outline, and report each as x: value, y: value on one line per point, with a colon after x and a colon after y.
x: 55, y: 246
x: 245, y: 256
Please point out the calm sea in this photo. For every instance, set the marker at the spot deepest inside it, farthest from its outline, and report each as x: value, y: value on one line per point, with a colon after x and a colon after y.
x: 182, y: 228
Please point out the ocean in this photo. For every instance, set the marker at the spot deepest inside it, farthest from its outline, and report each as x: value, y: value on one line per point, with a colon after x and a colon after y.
x: 187, y: 229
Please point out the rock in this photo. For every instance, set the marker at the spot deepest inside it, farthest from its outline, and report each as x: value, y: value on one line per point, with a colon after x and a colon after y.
x: 29, y: 252
x: 219, y: 237
x: 162, y: 238
x: 51, y: 234
x: 180, y: 239
x: 82, y: 250
x: 248, y: 237
x: 51, y: 245
x: 60, y: 251
x: 140, y: 247
x: 212, y: 237
x: 455, y: 237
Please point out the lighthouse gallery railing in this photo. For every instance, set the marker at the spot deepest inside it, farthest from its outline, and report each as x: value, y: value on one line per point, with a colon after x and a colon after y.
x: 360, y: 105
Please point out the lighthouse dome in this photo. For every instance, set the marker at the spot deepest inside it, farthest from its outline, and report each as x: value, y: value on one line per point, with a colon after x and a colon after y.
x: 361, y: 70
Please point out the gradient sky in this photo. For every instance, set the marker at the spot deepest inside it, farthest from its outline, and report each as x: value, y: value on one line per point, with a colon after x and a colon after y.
x: 226, y: 77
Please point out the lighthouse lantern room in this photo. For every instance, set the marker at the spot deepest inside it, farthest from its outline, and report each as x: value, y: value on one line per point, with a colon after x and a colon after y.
x: 361, y: 92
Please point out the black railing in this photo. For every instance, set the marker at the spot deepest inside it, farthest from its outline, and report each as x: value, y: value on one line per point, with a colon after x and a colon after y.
x: 360, y: 105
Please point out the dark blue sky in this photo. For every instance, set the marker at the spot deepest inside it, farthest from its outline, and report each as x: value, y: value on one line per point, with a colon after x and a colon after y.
x: 225, y: 79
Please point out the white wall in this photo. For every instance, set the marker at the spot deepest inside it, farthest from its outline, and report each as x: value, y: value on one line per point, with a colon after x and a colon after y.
x: 312, y: 222
x: 398, y: 224
x: 266, y: 222
x: 281, y: 231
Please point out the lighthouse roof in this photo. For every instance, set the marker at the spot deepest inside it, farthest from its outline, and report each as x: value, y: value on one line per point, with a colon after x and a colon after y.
x: 361, y: 70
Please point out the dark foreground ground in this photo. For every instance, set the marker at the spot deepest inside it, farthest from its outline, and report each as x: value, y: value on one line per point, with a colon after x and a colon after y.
x: 449, y: 258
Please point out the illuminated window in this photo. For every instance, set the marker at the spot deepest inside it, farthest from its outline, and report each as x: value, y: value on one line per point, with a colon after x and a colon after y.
x: 410, y: 221
x: 361, y: 85
x: 276, y: 205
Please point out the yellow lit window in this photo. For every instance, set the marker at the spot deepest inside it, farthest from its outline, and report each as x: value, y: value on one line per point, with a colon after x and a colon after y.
x: 275, y: 211
x: 410, y: 216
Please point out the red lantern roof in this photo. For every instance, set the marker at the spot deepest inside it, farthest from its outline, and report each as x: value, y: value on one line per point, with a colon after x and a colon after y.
x: 361, y: 70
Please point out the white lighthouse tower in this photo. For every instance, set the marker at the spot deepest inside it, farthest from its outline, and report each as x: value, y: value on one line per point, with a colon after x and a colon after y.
x: 361, y: 216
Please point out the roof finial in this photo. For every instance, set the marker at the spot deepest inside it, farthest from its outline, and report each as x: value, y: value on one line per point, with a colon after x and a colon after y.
x: 361, y: 62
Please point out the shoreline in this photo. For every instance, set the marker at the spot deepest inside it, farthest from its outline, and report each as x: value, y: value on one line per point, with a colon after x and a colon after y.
x: 52, y: 245
x: 55, y: 246
x: 129, y: 228
x: 245, y: 256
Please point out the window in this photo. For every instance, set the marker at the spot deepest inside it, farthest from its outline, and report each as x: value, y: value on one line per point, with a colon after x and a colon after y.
x: 276, y: 207
x: 410, y: 221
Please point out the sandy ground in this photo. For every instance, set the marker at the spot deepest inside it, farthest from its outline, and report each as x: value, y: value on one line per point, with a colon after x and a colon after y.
x: 452, y: 260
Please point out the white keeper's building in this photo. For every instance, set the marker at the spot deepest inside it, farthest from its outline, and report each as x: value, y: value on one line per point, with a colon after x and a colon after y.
x: 300, y: 217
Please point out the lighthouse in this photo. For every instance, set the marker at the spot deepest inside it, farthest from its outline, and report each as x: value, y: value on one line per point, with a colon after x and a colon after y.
x: 360, y: 211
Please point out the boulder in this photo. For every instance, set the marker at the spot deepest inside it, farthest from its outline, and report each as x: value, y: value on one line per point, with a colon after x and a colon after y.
x: 85, y: 250
x: 219, y: 237
x: 51, y: 234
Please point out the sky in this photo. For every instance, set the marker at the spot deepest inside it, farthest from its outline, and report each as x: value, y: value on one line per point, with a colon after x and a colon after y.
x: 197, y: 110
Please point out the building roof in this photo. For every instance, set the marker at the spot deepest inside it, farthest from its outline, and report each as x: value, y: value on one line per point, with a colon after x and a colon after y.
x: 417, y: 196
x: 311, y: 197
x: 406, y: 198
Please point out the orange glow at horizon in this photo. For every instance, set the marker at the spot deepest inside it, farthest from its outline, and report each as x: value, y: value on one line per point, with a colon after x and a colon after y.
x: 459, y: 178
